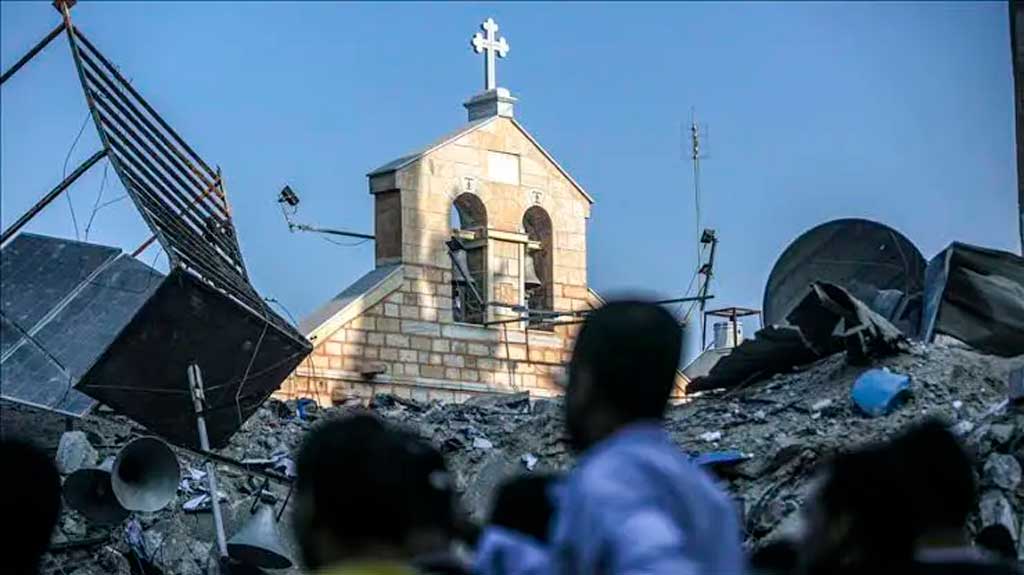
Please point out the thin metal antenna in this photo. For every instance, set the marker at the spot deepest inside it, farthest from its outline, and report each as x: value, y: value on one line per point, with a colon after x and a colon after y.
x: 695, y: 155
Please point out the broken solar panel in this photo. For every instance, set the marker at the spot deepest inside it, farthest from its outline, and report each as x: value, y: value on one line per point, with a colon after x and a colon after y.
x: 243, y: 359
x: 62, y: 303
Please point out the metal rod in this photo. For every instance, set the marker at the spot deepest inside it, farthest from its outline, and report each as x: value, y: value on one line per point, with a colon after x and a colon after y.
x: 145, y: 128
x: 52, y: 195
x: 553, y: 314
x: 146, y: 243
x: 127, y: 101
x: 156, y: 179
x: 145, y: 104
x: 707, y: 284
x: 31, y: 53
x: 145, y: 154
x: 307, y: 228
x: 195, y: 383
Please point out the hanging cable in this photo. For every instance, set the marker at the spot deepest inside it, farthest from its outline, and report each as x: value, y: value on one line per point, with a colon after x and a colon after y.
x: 64, y: 173
x: 344, y: 245
x: 96, y: 204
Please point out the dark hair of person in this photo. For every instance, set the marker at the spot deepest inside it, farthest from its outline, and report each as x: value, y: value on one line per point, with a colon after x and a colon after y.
x: 631, y: 349
x: 938, y: 475
x: 371, y: 482
x: 863, y: 486
x: 524, y: 504
x: 31, y: 504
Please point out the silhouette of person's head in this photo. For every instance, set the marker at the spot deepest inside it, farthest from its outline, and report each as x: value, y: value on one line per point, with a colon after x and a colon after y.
x: 369, y: 491
x: 622, y: 370
x: 855, y: 520
x: 31, y: 505
x: 524, y: 504
x: 880, y: 503
x: 938, y: 479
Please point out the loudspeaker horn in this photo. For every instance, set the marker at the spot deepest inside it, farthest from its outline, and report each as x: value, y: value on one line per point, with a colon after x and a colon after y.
x: 90, y: 492
x: 145, y: 475
x: 258, y: 542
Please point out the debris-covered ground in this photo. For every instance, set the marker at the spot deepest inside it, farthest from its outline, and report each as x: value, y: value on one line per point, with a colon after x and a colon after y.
x: 787, y: 425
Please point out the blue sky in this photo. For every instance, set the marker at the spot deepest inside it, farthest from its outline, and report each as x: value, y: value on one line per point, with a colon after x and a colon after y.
x: 896, y: 112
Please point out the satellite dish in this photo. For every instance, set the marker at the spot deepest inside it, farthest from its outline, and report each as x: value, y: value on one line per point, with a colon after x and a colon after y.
x: 867, y: 258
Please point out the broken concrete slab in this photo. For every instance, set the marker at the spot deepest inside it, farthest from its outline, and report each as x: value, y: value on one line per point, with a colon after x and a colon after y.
x: 995, y: 509
x: 74, y: 452
x: 1003, y: 471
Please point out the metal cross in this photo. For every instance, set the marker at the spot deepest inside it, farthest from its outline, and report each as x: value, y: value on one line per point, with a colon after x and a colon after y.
x: 492, y: 46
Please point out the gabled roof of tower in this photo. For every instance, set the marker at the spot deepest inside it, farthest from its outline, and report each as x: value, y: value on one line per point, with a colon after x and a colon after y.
x: 403, y: 161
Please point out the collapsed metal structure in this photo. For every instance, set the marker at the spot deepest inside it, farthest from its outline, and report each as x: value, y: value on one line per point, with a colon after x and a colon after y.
x: 204, y: 313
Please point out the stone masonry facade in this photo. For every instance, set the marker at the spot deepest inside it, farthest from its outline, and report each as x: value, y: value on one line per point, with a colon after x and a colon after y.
x: 399, y: 336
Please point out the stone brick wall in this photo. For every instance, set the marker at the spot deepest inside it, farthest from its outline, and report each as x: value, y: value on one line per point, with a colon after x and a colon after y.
x: 413, y: 348
x: 405, y: 341
x: 428, y: 187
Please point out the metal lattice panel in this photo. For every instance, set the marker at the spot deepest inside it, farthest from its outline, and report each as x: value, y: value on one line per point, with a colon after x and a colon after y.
x: 180, y: 197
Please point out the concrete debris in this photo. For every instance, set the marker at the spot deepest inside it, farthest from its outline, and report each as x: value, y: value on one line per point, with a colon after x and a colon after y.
x: 711, y: 436
x: 530, y: 461
x: 1016, y: 385
x: 771, y: 423
x: 1002, y: 470
x: 74, y: 452
x: 482, y: 443
x: 995, y: 509
x: 113, y: 561
x: 820, y: 405
x: 962, y: 428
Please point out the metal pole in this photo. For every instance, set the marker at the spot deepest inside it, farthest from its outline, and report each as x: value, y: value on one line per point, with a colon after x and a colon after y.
x: 31, y: 53
x: 195, y: 383
x: 31, y: 213
x: 707, y: 282
x: 704, y: 332
x: 308, y: 228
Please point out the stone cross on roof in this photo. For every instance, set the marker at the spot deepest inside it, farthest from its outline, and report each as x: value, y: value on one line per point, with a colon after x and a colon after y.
x: 492, y: 45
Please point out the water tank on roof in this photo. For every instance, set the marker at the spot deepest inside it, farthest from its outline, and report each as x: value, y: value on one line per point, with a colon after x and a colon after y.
x: 725, y: 334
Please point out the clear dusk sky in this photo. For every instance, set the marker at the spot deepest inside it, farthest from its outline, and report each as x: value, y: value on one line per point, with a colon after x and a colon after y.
x: 897, y: 112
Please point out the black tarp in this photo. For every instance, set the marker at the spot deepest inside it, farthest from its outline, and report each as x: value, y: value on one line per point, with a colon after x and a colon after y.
x: 977, y: 296
x: 826, y: 321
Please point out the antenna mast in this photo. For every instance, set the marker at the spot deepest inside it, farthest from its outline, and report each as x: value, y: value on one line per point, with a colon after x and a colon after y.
x: 706, y: 238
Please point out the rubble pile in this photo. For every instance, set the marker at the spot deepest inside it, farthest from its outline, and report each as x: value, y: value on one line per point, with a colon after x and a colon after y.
x: 777, y: 432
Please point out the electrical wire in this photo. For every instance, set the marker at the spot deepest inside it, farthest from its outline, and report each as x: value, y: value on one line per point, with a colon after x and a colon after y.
x: 64, y: 174
x: 245, y: 376
x: 96, y: 204
x: 309, y: 358
x: 344, y: 245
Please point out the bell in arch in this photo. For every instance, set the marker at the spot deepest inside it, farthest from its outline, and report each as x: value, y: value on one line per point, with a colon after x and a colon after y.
x: 531, y: 280
x: 461, y: 264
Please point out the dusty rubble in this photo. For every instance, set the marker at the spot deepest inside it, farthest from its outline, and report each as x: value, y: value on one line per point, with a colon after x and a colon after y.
x: 785, y: 426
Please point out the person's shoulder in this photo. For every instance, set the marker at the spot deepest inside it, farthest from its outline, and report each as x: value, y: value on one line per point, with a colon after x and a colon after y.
x: 626, y: 465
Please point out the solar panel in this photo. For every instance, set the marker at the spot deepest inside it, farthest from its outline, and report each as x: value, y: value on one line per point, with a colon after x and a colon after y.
x: 62, y: 303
